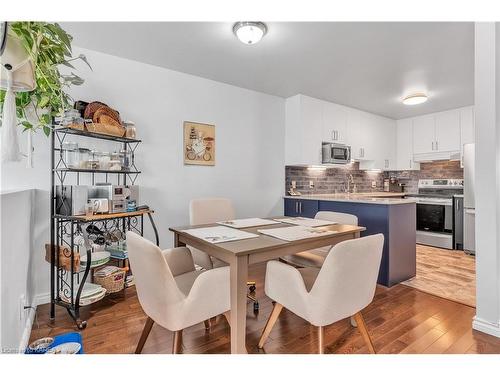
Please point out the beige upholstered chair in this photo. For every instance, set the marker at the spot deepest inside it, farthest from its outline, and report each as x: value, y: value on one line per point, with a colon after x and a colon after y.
x: 340, y: 289
x: 207, y: 211
x: 316, y: 257
x: 171, y: 292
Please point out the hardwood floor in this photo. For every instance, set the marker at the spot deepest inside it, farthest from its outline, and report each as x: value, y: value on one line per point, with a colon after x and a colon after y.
x: 445, y: 273
x: 400, y: 320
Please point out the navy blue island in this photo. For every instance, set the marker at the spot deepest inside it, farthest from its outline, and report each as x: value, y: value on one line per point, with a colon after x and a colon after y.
x: 395, y: 218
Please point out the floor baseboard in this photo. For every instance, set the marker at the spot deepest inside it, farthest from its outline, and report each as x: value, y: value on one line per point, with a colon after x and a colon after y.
x: 486, y: 327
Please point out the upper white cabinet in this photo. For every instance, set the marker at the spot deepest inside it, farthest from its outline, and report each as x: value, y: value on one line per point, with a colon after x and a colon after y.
x: 447, y: 131
x: 303, y: 131
x: 404, y: 146
x: 467, y: 128
x: 334, y: 123
x: 436, y: 136
x: 424, y: 134
x: 310, y: 121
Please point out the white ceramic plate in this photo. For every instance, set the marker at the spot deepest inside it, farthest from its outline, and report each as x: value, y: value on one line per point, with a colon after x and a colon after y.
x: 66, y: 348
x: 98, y: 258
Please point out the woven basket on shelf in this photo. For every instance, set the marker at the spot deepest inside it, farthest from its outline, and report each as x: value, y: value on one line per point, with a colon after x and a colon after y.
x: 117, y: 131
x: 113, y: 282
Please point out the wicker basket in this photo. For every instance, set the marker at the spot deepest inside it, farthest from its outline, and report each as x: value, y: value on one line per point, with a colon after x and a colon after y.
x: 117, y: 131
x: 113, y: 282
x: 64, y: 257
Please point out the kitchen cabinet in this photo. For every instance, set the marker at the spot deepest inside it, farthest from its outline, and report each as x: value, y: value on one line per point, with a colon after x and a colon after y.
x: 423, y: 134
x: 334, y: 123
x: 301, y: 207
x: 467, y: 129
x: 303, y: 130
x: 447, y: 131
x: 436, y: 136
x: 404, y: 146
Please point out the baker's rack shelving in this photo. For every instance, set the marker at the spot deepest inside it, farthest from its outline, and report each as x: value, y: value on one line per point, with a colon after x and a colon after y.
x: 78, y: 233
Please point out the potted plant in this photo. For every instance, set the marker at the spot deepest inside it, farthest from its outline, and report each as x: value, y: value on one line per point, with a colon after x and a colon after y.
x: 49, y: 46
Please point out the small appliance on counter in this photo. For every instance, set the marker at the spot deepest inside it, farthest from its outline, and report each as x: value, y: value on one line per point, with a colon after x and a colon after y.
x: 293, y: 190
x: 393, y: 185
x: 71, y: 199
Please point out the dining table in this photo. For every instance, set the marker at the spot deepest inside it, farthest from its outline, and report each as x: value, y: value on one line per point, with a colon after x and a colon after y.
x: 240, y: 254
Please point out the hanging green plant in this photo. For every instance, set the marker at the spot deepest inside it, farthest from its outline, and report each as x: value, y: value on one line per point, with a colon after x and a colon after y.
x: 49, y: 46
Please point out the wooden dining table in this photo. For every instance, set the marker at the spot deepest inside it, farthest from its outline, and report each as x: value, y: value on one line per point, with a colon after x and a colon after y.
x: 242, y: 253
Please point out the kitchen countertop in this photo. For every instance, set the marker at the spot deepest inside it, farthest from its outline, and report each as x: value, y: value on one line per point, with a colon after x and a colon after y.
x: 373, y: 198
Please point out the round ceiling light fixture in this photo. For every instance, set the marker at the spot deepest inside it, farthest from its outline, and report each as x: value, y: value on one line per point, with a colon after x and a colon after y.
x: 414, y: 99
x: 249, y: 32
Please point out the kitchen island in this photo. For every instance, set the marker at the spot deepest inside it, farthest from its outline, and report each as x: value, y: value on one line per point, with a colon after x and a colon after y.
x: 384, y: 213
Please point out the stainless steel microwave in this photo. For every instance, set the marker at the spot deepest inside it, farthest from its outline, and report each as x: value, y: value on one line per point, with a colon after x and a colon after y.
x: 335, y: 153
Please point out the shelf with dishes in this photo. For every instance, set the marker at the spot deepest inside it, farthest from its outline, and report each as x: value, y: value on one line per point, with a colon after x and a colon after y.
x: 90, y: 215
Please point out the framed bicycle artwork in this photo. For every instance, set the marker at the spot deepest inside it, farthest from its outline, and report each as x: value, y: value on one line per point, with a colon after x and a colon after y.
x: 199, y: 143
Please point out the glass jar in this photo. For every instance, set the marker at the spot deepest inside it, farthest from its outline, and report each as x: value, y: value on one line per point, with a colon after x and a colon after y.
x: 70, y: 154
x: 104, y: 158
x: 126, y: 158
x: 130, y: 130
x: 116, y: 162
x: 84, y: 157
x: 72, y: 117
x: 93, y: 162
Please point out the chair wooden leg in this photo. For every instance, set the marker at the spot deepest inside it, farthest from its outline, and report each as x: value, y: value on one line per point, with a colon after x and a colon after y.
x: 207, y: 324
x: 364, y: 331
x: 270, y: 324
x: 144, y: 335
x: 321, y: 340
x: 176, y: 347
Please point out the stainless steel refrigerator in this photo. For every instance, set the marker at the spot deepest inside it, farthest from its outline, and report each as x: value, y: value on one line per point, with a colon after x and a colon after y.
x: 469, y: 199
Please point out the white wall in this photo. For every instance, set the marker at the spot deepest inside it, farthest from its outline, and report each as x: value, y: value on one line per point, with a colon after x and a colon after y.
x: 249, y: 146
x: 487, y: 112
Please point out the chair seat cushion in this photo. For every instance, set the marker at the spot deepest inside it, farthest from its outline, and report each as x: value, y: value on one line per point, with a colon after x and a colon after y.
x: 186, y: 280
x: 311, y: 258
x: 309, y: 274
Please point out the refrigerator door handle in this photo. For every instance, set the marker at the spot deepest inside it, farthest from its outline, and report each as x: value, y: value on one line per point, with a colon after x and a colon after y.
x: 470, y: 211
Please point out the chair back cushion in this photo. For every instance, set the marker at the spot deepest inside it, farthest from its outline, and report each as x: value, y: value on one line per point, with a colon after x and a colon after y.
x: 156, y: 288
x: 346, y: 283
x: 338, y: 217
x: 210, y: 210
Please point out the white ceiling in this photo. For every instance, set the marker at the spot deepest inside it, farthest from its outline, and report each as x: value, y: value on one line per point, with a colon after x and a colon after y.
x: 369, y: 66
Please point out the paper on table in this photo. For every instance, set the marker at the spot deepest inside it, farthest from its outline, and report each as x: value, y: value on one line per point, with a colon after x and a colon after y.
x: 296, y: 233
x: 247, y: 223
x: 219, y: 234
x: 305, y: 221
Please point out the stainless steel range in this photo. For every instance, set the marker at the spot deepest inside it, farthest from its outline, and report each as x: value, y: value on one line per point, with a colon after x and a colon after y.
x: 435, y: 210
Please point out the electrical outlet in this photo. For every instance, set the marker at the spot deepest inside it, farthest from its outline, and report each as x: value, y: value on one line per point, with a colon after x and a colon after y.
x: 374, y: 184
x: 311, y: 184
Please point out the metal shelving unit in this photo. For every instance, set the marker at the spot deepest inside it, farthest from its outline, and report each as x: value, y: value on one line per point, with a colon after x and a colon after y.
x: 79, y: 232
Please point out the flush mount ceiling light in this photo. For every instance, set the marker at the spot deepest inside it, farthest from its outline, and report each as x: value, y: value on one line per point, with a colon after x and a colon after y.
x: 249, y: 32
x: 415, y: 99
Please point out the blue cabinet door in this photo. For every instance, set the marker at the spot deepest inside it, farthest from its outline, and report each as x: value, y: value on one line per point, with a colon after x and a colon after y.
x: 292, y: 207
x: 301, y: 207
x: 308, y: 208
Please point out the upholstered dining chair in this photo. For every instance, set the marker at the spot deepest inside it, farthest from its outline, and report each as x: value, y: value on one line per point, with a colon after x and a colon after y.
x: 207, y: 211
x: 316, y: 257
x: 340, y: 289
x: 172, y: 293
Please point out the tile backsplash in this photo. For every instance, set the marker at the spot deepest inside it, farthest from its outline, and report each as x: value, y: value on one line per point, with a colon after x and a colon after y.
x: 435, y: 169
x: 333, y: 180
